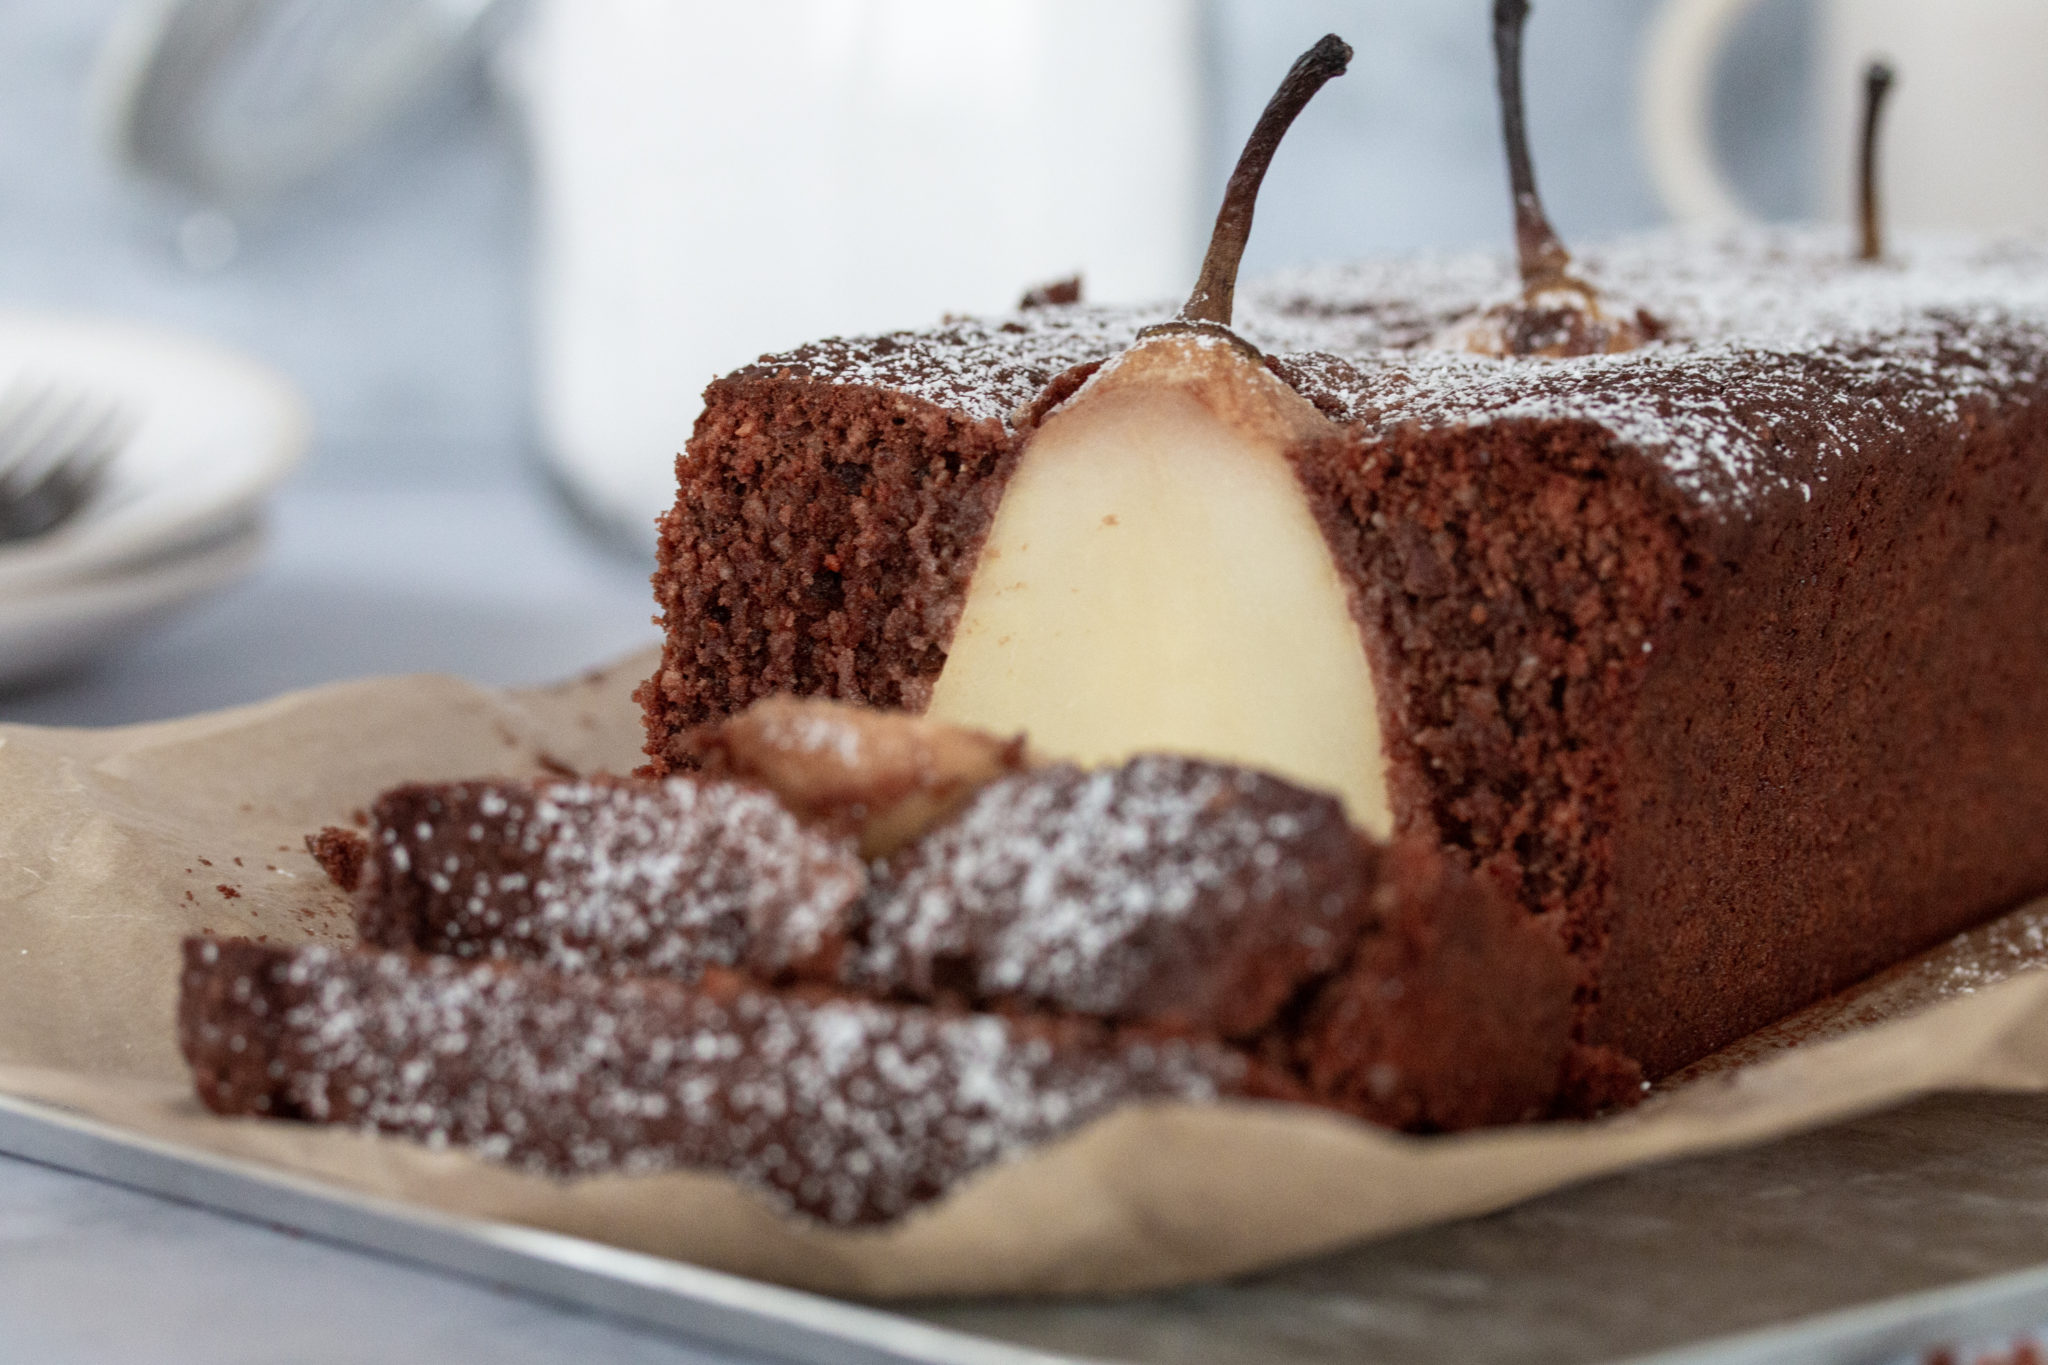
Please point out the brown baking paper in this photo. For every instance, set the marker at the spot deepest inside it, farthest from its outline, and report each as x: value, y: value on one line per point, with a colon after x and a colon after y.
x: 115, y: 844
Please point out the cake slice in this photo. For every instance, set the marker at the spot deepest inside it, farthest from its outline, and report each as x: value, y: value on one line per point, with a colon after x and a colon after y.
x: 1166, y: 889
x: 849, y: 1111
x: 1176, y: 893
x: 1727, y: 656
x: 1172, y: 894
x: 608, y: 875
x: 1065, y: 943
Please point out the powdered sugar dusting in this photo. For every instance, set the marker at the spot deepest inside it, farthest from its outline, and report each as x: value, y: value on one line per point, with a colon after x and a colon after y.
x: 1986, y: 956
x: 1761, y: 326
x: 814, y: 730
x: 1121, y: 891
x: 1764, y: 329
x: 613, y: 876
x: 983, y: 368
x: 846, y: 1110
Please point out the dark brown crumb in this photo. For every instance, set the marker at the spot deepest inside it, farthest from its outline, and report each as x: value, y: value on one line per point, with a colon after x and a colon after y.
x: 1052, y: 293
x: 548, y: 763
x: 1597, y: 1080
x: 204, y: 862
x: 228, y: 891
x: 341, y: 854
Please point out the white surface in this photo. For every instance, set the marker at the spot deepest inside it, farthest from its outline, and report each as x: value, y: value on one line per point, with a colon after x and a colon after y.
x: 1674, y: 93
x: 714, y: 181
x: 1965, y: 140
x: 1964, y: 143
x: 54, y: 627
x: 212, y: 434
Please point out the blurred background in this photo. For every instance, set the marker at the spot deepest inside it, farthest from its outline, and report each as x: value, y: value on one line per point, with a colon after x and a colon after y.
x: 497, y: 249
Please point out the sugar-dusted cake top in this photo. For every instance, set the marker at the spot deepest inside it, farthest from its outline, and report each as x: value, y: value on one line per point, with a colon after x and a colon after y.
x: 1163, y: 888
x: 1778, y: 349
x: 983, y: 368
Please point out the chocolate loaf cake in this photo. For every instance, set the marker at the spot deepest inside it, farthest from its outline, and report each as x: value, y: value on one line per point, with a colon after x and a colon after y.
x: 1727, y: 656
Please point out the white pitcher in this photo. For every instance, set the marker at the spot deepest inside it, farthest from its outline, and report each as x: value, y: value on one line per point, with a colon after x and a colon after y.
x: 1965, y: 142
x: 717, y: 180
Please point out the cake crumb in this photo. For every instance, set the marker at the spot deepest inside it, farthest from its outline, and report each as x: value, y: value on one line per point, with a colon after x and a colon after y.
x: 341, y: 854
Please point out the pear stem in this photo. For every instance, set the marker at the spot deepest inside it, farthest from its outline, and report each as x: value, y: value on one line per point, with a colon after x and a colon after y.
x: 1215, y: 294
x: 1878, y: 79
x: 1540, y: 252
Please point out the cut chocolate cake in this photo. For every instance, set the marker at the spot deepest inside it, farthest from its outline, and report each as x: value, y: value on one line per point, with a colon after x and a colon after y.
x: 1165, y: 889
x: 606, y: 976
x: 664, y: 877
x: 850, y: 1111
x: 1727, y: 656
x: 1445, y: 704
x: 1168, y: 893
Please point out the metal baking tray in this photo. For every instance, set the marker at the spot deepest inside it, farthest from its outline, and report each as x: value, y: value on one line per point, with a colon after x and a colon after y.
x: 1540, y: 1270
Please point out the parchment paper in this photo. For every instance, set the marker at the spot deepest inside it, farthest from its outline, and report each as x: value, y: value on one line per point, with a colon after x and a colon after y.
x: 114, y: 844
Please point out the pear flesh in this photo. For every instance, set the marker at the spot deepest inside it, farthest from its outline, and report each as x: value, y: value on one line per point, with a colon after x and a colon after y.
x: 1154, y: 581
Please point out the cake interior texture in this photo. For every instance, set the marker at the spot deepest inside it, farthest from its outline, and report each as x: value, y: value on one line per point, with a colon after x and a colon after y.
x: 1726, y: 657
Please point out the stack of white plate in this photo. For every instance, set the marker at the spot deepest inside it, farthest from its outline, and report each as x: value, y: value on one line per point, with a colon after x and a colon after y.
x: 180, y: 511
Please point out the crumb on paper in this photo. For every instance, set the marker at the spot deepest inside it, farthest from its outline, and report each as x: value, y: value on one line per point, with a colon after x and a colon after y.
x: 341, y: 854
